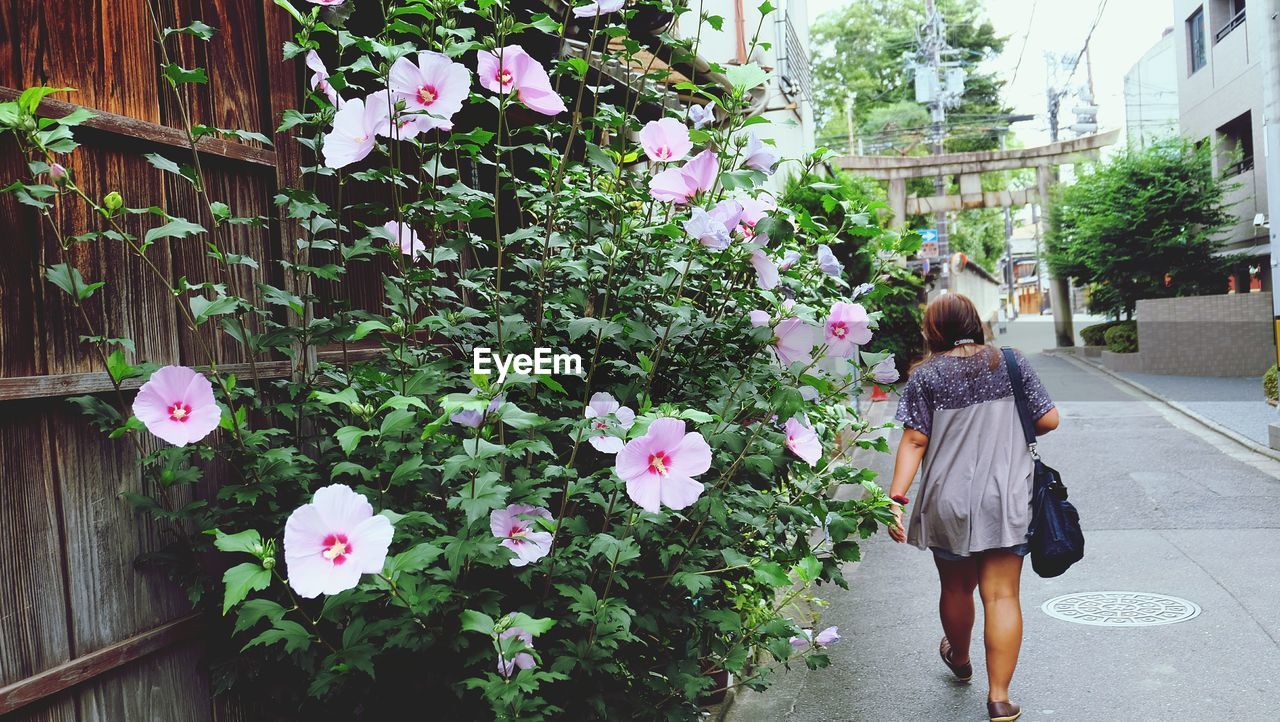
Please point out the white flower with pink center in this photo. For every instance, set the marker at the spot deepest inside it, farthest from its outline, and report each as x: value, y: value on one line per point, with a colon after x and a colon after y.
x: 177, y: 405
x: 607, y: 415
x: 433, y: 89
x: 405, y: 237
x: 331, y: 542
x: 802, y: 440
x: 518, y: 528
x: 508, y: 659
x: 793, y: 341
x: 320, y: 78
x: 665, y: 140
x: 354, y: 134
x: 885, y: 372
x: 846, y: 328
x: 659, y: 467
x: 511, y: 69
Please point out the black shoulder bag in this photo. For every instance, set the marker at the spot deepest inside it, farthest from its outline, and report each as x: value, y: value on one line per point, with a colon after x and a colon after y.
x: 1055, y: 536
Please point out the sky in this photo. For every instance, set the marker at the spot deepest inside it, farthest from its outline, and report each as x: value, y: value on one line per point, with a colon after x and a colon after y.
x: 1128, y: 28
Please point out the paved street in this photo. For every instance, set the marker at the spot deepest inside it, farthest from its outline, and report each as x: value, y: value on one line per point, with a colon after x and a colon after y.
x: 1167, y: 507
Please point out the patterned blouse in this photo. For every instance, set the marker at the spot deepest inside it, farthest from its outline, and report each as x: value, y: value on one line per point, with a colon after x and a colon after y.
x: 975, y: 491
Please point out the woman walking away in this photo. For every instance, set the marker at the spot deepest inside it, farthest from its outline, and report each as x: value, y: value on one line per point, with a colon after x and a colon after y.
x: 974, y: 503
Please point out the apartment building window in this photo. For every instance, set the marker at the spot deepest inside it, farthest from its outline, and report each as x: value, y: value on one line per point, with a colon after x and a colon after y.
x: 1196, y: 50
x: 1224, y: 17
x: 1235, y: 145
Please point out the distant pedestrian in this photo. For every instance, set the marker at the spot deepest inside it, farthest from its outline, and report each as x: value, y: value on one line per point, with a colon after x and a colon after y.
x: 1003, y: 321
x: 974, y: 503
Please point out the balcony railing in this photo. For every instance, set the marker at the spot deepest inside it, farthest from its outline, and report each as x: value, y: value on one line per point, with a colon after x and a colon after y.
x: 1237, y: 168
x: 1232, y: 24
x: 794, y: 75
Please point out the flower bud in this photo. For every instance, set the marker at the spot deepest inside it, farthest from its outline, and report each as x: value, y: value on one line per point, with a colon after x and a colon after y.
x: 398, y: 327
x: 57, y: 173
x: 113, y: 201
x: 269, y: 563
x: 607, y: 247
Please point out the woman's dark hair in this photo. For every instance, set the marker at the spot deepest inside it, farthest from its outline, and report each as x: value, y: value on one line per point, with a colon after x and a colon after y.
x: 950, y: 318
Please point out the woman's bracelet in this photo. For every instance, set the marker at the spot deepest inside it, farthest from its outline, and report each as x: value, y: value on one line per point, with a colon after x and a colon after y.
x: 900, y: 499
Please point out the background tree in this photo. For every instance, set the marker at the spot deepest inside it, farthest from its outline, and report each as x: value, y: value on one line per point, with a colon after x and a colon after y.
x: 1144, y: 224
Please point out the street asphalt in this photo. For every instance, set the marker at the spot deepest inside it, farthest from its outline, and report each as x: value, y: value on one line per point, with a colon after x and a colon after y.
x: 1168, y: 507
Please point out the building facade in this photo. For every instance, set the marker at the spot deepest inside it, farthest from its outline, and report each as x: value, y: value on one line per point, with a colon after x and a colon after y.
x: 1220, y: 53
x: 1151, y: 94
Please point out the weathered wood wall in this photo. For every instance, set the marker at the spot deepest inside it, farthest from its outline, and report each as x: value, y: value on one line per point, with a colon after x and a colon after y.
x: 83, y: 634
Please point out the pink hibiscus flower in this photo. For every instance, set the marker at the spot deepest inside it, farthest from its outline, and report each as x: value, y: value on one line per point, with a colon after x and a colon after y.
x: 320, y: 78
x: 177, y: 405
x: 665, y: 140
x: 406, y: 237
x: 766, y: 271
x: 679, y: 185
x: 607, y: 415
x: 753, y: 210
x: 659, y: 467
x: 432, y: 90
x: 518, y: 72
x: 828, y: 636
x: 802, y: 440
x: 326, y: 3
x: 508, y: 658
x: 713, y: 229
x: 759, y: 156
x: 333, y: 540
x: 793, y: 341
x: 355, y: 127
x: 759, y: 318
x: 516, y: 527
x: 599, y: 7
x: 846, y: 327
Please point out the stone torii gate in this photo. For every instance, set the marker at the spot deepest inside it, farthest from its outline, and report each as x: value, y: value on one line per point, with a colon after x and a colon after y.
x: 969, y: 167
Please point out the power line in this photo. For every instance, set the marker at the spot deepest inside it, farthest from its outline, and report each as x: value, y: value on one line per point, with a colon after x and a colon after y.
x: 1025, y: 37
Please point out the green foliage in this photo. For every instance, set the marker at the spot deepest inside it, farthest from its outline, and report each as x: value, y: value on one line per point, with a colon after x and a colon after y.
x: 1122, y: 337
x: 527, y: 244
x: 1145, y: 223
x: 1095, y: 335
x: 1270, y: 389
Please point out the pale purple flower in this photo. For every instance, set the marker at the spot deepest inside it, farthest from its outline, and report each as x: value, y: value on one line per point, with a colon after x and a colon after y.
x: 827, y: 261
x: 355, y: 127
x: 801, y: 640
x: 320, y: 78
x: 405, y: 237
x: 860, y: 289
x: 789, y: 258
x: 885, y: 372
x: 702, y: 115
x: 177, y: 405
x: 599, y: 7
x: 766, y: 271
x: 679, y: 185
x: 759, y: 156
x: 508, y: 662
x: 433, y: 89
x: 472, y: 418
x: 713, y: 229
x: 827, y: 637
x: 520, y: 532
x: 518, y: 72
x: 808, y: 393
x: 606, y: 414
x: 846, y: 327
x: 659, y: 467
x: 753, y: 210
x: 665, y: 140
x: 331, y: 542
x: 793, y: 341
x: 802, y: 440
x: 759, y: 318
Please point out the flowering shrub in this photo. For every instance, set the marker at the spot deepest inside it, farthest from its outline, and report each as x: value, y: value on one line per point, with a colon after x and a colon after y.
x: 397, y: 530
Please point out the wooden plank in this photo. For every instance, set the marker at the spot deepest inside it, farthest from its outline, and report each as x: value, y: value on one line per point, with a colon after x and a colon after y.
x: 80, y: 670
x: 154, y: 133
x: 34, y: 387
x: 171, y: 685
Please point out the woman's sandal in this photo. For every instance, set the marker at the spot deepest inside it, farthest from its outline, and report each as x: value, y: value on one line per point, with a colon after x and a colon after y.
x: 963, y: 672
x: 1003, y: 711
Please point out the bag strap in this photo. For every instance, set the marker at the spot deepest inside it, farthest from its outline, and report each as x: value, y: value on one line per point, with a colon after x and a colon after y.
x: 1020, y: 399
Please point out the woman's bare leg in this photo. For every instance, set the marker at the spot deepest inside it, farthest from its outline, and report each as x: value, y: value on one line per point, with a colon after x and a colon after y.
x: 955, y: 604
x: 999, y: 578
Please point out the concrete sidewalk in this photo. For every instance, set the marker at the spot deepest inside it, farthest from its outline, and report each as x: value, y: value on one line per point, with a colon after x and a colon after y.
x: 1167, y: 508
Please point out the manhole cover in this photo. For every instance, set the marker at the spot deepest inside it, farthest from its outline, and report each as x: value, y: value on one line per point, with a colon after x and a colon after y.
x: 1120, y: 609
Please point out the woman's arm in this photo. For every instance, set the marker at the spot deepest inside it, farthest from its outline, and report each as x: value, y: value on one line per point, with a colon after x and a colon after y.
x: 911, y: 450
x: 1048, y: 422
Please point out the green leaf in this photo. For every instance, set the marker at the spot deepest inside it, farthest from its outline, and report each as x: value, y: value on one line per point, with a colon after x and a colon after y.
x: 30, y: 99
x: 203, y: 308
x: 367, y: 327
x: 68, y: 278
x: 248, y: 541
x: 119, y: 368
x: 196, y: 29
x: 240, y: 580
x: 255, y: 610
x: 176, y: 228
x: 473, y: 621
x: 178, y: 75
x: 349, y: 436
x: 746, y: 77
x: 296, y: 638
x: 772, y: 574
x: 534, y: 626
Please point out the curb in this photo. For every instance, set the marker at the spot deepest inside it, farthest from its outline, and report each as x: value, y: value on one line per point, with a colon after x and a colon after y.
x: 1195, y: 416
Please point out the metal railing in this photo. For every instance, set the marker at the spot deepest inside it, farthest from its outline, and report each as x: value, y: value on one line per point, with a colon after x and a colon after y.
x: 1232, y: 24
x: 1237, y: 168
x: 794, y: 74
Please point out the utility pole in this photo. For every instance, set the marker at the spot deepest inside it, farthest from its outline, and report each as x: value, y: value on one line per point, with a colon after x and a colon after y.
x: 934, y: 40
x: 1271, y: 148
x: 848, y: 116
x: 1009, y: 277
x: 1059, y: 290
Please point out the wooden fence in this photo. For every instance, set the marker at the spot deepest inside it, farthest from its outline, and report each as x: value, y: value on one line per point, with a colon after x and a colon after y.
x: 84, y: 635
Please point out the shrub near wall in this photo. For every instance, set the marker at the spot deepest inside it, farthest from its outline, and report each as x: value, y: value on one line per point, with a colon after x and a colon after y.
x: 402, y: 532
x: 1122, y: 337
x: 1095, y: 335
